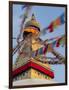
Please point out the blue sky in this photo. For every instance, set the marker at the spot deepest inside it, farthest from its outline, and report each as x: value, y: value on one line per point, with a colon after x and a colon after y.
x: 44, y: 15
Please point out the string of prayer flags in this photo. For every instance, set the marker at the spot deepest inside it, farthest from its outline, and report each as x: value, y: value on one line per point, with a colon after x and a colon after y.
x: 61, y: 40
x: 54, y: 24
x: 48, y: 47
x: 58, y: 42
x: 40, y: 51
x: 60, y: 20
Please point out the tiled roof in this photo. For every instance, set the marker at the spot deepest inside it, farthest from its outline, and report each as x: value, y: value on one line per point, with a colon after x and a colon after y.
x: 35, y: 66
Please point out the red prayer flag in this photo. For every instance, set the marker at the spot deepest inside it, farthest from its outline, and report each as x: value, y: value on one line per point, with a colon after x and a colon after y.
x: 58, y: 42
x: 50, y: 27
x: 44, y: 49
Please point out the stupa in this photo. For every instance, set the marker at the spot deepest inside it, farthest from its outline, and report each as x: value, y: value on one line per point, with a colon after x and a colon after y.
x: 28, y: 66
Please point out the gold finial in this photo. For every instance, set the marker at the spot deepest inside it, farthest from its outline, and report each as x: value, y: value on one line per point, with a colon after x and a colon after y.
x: 33, y: 17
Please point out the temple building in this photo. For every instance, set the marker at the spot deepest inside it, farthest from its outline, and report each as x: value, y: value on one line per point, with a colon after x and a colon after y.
x: 27, y: 66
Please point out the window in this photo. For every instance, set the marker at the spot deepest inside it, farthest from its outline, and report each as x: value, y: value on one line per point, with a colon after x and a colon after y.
x: 46, y: 76
x: 23, y: 74
x: 38, y: 73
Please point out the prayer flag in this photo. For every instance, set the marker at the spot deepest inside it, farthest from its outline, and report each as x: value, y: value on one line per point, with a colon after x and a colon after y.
x: 60, y: 20
x: 45, y: 49
x: 40, y: 51
x: 50, y: 27
x: 58, y: 42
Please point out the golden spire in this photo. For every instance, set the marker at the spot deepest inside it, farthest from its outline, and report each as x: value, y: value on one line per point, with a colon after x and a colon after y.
x: 33, y: 17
